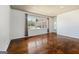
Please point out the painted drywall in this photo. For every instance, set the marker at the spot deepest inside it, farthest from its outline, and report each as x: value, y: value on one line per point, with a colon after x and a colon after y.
x: 4, y: 27
x: 37, y: 32
x: 52, y: 24
x: 68, y: 24
x: 17, y: 24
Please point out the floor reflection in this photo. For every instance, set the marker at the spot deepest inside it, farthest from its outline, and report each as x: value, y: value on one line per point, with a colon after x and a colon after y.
x: 37, y: 45
x: 45, y: 44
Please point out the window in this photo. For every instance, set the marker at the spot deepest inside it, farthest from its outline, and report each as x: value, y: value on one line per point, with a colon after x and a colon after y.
x: 36, y: 22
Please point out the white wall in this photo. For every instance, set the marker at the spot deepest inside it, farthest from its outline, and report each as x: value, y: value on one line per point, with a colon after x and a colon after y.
x: 52, y: 25
x: 37, y: 32
x: 4, y: 27
x: 17, y: 24
x: 68, y: 24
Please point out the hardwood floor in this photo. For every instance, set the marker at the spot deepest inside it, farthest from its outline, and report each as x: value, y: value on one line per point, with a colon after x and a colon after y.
x: 45, y: 44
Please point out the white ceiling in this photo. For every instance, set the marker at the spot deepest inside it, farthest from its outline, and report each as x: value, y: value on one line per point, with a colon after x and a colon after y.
x: 50, y: 10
